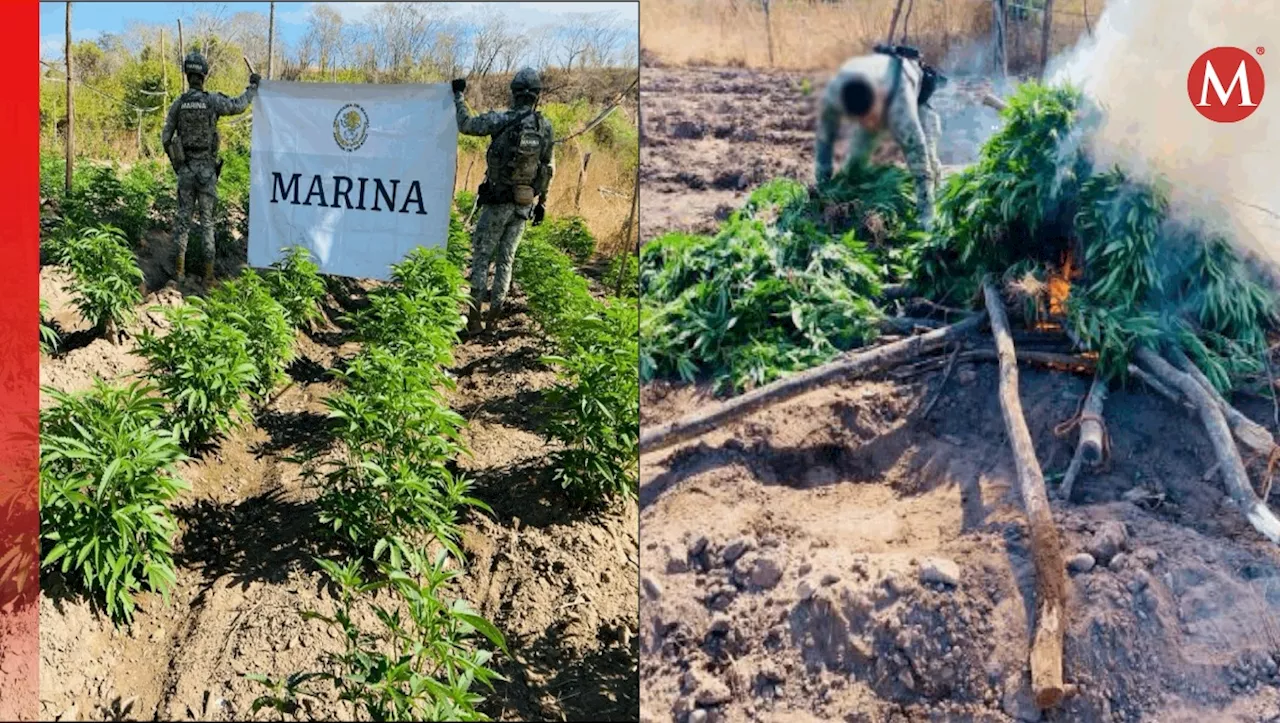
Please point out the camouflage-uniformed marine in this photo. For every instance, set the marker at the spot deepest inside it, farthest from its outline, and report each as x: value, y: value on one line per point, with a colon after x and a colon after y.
x: 889, y: 90
x: 519, y: 166
x: 190, y: 138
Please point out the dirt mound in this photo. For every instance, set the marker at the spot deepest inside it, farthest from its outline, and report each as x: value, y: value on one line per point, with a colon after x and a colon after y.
x: 710, y: 135
x: 837, y: 556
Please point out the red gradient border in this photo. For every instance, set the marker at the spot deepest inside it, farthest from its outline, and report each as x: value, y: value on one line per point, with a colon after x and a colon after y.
x: 19, y: 363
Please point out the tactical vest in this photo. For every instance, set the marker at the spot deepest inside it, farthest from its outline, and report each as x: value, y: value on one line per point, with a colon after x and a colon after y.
x: 197, y: 123
x: 514, y: 158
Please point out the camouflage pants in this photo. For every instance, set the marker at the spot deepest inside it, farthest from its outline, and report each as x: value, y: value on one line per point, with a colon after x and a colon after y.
x: 197, y: 189
x: 494, y: 243
x: 914, y: 128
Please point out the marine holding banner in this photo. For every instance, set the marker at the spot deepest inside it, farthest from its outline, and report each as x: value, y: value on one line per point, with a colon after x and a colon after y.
x: 190, y: 138
x: 519, y: 165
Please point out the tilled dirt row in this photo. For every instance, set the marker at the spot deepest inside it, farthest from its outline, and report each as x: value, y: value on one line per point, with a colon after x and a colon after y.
x: 560, y: 584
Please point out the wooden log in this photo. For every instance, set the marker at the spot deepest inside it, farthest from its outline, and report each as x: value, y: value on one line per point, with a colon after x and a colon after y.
x: 1249, y: 433
x: 1230, y: 466
x: 1158, y: 387
x: 907, y: 324
x: 1046, y: 548
x: 990, y: 100
x: 1092, y: 440
x: 847, y: 365
x: 1029, y: 356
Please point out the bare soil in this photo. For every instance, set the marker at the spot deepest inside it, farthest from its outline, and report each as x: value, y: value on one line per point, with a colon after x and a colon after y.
x: 559, y: 582
x: 790, y: 559
x: 710, y: 135
x: 840, y: 557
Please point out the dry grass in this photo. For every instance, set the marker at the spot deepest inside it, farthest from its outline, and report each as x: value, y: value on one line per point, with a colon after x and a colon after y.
x: 811, y: 35
x: 606, y: 192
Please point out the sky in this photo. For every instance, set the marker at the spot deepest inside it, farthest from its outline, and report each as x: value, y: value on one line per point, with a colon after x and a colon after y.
x: 91, y: 19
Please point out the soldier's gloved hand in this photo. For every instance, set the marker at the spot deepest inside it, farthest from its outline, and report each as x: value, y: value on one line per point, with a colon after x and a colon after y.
x: 539, y: 213
x: 254, y: 78
x: 459, y: 85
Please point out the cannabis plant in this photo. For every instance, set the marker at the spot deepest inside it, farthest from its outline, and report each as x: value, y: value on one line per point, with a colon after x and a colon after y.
x: 202, y: 366
x: 107, y: 281
x: 419, y: 663
x: 294, y: 281
x: 48, y: 334
x: 594, y: 409
x: 245, y: 303
x: 106, y: 478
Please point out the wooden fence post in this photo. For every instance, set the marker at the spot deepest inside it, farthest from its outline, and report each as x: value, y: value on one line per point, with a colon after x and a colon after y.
x: 271, y: 42
x: 71, y: 147
x: 582, y: 175
x: 768, y: 30
x: 998, y: 37
x: 182, y: 53
x: 1046, y: 32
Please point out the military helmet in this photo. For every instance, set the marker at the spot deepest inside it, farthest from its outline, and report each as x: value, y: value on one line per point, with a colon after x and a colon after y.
x: 526, y: 81
x: 195, y: 64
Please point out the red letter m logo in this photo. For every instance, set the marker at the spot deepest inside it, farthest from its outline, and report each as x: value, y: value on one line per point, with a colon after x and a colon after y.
x: 1233, y: 101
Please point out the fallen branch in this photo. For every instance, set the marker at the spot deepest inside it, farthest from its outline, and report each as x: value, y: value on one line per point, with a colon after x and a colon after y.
x: 1092, y: 442
x: 1234, y: 477
x: 951, y: 365
x: 990, y: 100
x: 908, y: 324
x: 847, y: 365
x: 1249, y: 433
x: 1154, y: 384
x: 1030, y: 356
x: 1046, y: 549
x: 895, y: 291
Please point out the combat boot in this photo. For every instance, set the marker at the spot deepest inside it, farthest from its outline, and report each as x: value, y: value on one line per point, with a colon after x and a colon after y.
x: 473, y: 320
x: 208, y: 272
x: 491, y: 319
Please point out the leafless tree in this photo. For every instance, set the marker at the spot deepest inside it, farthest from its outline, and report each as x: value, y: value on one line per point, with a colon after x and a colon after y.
x: 402, y: 33
x: 605, y: 35
x: 249, y: 31
x: 542, y: 46
x: 575, y: 37
x: 514, y: 52
x: 325, y: 32
x: 492, y: 34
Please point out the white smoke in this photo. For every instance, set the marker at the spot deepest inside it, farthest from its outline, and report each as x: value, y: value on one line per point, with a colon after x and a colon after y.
x: 1136, y: 67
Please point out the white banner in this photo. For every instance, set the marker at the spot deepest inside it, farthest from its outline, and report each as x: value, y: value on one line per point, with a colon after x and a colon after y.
x: 358, y: 174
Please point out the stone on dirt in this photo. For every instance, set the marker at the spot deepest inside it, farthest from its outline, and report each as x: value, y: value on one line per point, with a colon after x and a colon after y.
x: 1081, y: 562
x: 940, y: 571
x: 1110, y: 539
x: 652, y: 588
x: 766, y: 573
x: 735, y: 549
